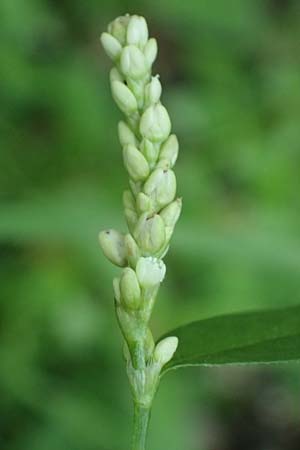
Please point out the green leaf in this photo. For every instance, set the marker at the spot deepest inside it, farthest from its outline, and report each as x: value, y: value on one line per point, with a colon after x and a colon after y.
x: 241, y: 338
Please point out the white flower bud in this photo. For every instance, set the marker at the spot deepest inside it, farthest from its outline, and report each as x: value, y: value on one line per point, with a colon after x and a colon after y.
x: 135, y: 163
x: 130, y: 289
x: 165, y: 350
x: 161, y: 187
x: 155, y: 123
x: 143, y: 202
x: 116, y: 287
x: 170, y: 214
x: 111, y: 46
x: 169, y: 150
x: 132, y: 250
x: 153, y: 91
x: 137, y: 31
x: 150, y: 271
x: 150, y: 52
x: 149, y: 150
x: 115, y: 75
x: 118, y: 28
x: 126, y: 136
x: 123, y: 97
x: 150, y: 233
x: 112, y: 244
x: 132, y: 62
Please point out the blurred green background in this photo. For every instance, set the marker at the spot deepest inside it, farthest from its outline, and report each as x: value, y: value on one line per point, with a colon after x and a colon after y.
x: 231, y: 75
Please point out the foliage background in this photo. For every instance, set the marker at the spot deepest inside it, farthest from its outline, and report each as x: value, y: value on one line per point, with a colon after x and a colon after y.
x: 231, y: 75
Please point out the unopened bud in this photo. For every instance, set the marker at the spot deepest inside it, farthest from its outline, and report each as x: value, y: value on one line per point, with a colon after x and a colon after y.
x: 143, y: 202
x: 124, y: 98
x: 165, y: 350
x: 131, y: 218
x: 149, y: 150
x: 153, y: 91
x: 137, y: 31
x: 155, y: 123
x: 115, y: 75
x: 149, y: 344
x: 132, y: 250
x: 135, y: 163
x: 132, y: 62
x: 130, y: 289
x: 128, y: 200
x: 150, y: 51
x: 150, y: 271
x: 170, y: 214
x: 150, y: 233
x: 169, y: 150
x: 116, y: 287
x: 111, y: 46
x: 126, y: 136
x: 161, y: 187
x: 112, y: 244
x: 118, y: 28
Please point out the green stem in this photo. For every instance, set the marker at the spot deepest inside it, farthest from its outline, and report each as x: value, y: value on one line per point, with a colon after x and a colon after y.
x: 140, y: 427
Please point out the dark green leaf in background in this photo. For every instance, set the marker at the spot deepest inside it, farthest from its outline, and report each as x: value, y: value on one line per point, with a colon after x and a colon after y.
x: 243, y: 338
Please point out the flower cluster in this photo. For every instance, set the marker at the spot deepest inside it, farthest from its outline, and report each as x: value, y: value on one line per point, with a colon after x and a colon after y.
x: 150, y: 204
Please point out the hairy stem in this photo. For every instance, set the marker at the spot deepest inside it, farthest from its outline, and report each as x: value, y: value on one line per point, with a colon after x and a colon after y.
x: 140, y: 426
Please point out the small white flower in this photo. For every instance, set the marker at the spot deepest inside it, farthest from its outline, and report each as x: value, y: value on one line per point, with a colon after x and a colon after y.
x: 150, y: 271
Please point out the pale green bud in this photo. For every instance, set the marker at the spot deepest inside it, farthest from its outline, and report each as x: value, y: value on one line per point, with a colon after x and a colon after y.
x: 143, y: 202
x: 161, y: 187
x: 169, y: 150
x: 150, y: 271
x: 112, y: 244
x: 149, y: 150
x: 153, y: 91
x: 115, y: 75
x: 132, y: 62
x: 116, y: 287
x: 131, y: 218
x: 132, y: 250
x: 155, y: 123
x: 150, y: 233
x: 170, y: 214
x: 149, y: 344
x: 126, y: 136
x: 136, y: 187
x: 165, y: 350
x: 111, y: 46
x: 128, y: 200
x: 135, y: 163
x: 150, y: 51
x: 123, y: 97
x: 118, y: 28
x: 126, y: 352
x: 130, y: 289
x: 137, y: 31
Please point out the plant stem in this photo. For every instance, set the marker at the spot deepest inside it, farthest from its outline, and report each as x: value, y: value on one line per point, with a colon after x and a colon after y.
x: 140, y: 427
